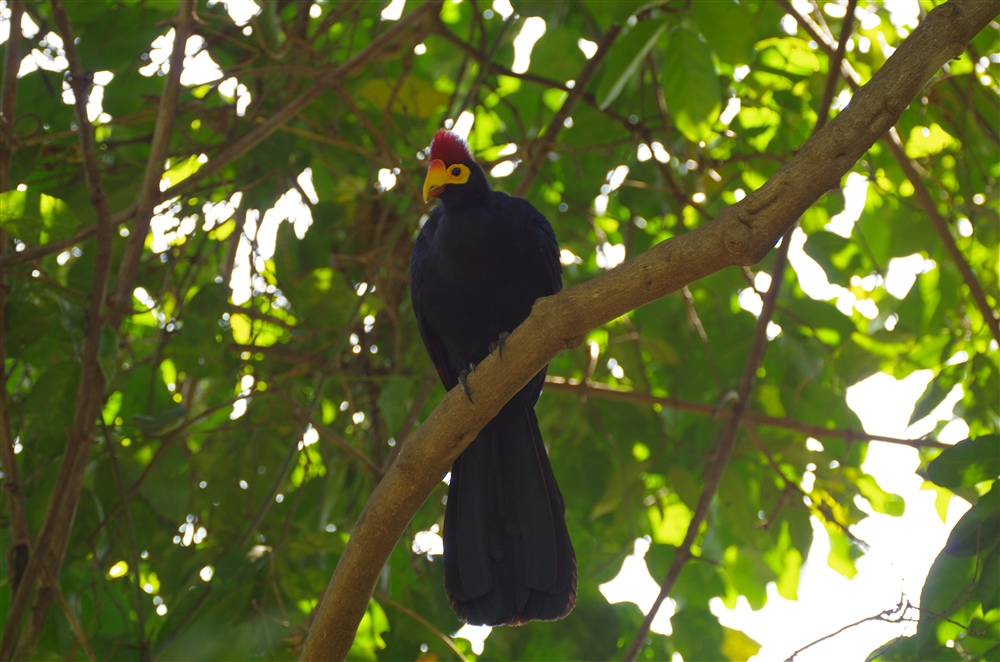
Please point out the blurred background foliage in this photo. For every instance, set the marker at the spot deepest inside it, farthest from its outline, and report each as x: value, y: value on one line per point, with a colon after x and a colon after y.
x: 271, y: 366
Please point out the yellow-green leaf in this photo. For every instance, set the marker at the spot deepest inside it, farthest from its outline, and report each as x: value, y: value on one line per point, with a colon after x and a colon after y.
x: 928, y: 140
x: 36, y: 218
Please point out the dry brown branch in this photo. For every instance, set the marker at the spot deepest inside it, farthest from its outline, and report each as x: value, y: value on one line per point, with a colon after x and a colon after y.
x: 741, y: 234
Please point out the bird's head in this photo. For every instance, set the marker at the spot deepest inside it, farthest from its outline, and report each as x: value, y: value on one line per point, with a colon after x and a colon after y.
x: 452, y: 173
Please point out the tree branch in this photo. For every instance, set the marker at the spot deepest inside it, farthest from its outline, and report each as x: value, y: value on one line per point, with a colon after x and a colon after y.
x: 556, y: 384
x: 149, y: 192
x: 19, y: 550
x: 47, y: 556
x: 741, y: 234
x: 926, y: 202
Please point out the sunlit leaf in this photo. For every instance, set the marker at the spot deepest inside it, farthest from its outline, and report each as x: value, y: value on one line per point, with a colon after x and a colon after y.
x: 967, y: 463
x: 35, y: 217
x: 691, y: 85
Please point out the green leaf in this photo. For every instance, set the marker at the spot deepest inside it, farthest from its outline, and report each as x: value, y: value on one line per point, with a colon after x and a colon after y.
x: 936, y: 392
x: 35, y: 217
x: 728, y: 28
x: 368, y: 639
x: 691, y: 85
x: 788, y: 56
x: 880, y: 500
x: 160, y: 422
x: 946, y: 589
x: 697, y: 634
x: 929, y: 140
x: 967, y: 463
x: 107, y: 353
x: 843, y: 554
x: 412, y: 96
x: 737, y: 646
x: 659, y: 558
x: 556, y: 55
x: 394, y: 403
x: 625, y: 58
x: 988, y: 589
x: 979, y: 529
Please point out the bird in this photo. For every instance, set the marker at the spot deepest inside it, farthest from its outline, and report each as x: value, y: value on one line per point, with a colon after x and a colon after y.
x: 480, y: 261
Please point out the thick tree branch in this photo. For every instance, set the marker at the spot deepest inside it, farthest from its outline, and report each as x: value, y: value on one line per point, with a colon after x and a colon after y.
x: 742, y: 234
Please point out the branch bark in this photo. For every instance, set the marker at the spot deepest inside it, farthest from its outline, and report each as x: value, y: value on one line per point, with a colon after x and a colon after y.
x: 742, y: 234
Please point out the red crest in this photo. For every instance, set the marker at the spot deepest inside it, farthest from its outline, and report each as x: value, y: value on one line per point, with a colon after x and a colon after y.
x: 448, y: 147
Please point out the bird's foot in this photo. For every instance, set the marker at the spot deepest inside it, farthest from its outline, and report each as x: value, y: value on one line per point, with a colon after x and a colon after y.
x: 464, y: 384
x: 498, y: 345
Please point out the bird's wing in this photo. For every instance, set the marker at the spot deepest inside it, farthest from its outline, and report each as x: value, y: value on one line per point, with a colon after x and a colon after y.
x: 548, y: 279
x: 432, y: 341
x: 549, y: 249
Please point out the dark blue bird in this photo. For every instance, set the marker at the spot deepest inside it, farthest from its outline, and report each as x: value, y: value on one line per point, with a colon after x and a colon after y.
x: 480, y: 262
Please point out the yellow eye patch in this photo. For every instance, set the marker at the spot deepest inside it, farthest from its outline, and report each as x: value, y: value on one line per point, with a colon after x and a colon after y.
x: 457, y: 174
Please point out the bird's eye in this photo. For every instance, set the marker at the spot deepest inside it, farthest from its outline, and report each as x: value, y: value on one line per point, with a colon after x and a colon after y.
x: 456, y: 171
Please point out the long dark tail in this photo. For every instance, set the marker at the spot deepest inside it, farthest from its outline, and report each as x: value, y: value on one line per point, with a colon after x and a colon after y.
x: 508, y: 557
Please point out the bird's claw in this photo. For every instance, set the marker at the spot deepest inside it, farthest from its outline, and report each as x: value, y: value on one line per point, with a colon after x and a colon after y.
x: 498, y: 345
x: 463, y: 383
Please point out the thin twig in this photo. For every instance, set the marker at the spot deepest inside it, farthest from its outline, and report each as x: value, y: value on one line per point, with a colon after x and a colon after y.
x: 886, y: 615
x: 381, y: 597
x: 555, y: 384
x: 133, y: 547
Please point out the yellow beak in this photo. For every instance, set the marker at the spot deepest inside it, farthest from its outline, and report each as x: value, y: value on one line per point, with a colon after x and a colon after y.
x: 435, y: 180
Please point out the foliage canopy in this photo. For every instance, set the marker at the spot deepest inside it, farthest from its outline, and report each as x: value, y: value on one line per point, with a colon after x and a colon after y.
x: 212, y: 361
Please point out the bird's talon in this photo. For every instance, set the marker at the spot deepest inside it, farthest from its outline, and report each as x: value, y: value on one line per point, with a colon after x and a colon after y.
x: 498, y: 345
x: 463, y: 383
